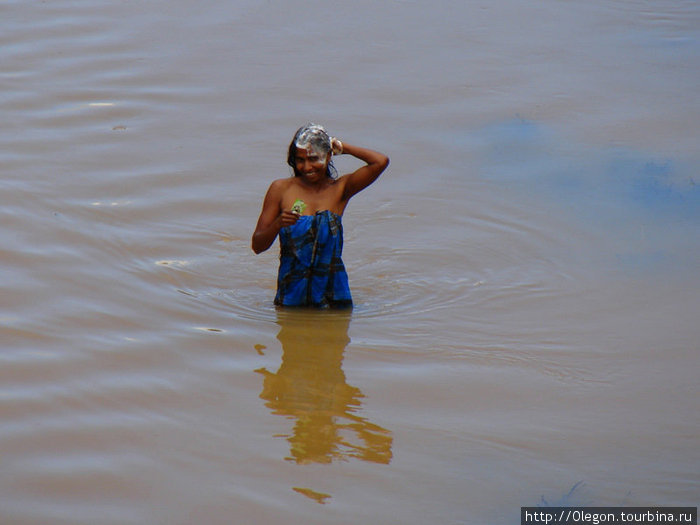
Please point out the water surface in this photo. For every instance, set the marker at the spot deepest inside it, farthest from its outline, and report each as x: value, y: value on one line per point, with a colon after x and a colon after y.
x: 525, y: 274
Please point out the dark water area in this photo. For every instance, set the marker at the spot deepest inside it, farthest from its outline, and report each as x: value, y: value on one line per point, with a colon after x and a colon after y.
x: 525, y: 274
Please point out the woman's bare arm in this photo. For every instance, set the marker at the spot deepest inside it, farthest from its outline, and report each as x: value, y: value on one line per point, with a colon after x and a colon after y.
x: 271, y: 219
x: 366, y: 175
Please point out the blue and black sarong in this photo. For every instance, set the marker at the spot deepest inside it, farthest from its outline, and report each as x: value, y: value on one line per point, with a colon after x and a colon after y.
x: 311, y: 271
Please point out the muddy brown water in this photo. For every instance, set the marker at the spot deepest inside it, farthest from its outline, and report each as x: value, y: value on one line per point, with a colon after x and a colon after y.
x: 525, y: 274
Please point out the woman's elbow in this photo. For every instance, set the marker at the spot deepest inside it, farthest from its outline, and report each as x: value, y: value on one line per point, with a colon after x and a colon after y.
x: 383, y: 163
x: 259, y: 249
x: 257, y: 246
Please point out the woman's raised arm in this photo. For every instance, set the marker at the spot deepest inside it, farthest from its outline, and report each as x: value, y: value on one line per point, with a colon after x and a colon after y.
x: 366, y: 175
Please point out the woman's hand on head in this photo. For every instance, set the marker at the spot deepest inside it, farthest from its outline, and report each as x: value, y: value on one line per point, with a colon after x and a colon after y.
x: 336, y: 146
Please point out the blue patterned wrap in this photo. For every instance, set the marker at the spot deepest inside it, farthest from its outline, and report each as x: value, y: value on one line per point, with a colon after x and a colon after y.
x: 311, y: 271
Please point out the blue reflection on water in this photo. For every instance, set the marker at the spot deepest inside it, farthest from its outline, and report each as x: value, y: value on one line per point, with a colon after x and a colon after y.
x: 650, y: 202
x: 522, y: 151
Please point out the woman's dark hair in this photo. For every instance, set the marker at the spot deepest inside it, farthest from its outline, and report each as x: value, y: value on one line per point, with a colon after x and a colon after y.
x: 316, y: 136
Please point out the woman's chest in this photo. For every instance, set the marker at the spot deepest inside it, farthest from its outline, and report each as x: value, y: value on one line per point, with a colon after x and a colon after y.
x: 308, y: 202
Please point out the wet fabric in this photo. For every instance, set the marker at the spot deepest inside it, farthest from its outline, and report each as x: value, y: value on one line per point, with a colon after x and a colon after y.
x: 311, y: 271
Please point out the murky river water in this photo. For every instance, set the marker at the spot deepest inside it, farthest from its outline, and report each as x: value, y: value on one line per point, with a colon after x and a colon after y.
x: 525, y: 273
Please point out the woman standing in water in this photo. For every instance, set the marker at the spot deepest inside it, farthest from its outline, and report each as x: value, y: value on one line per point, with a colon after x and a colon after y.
x: 306, y: 210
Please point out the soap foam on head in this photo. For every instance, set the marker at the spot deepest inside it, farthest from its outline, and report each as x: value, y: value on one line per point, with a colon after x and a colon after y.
x: 313, y: 137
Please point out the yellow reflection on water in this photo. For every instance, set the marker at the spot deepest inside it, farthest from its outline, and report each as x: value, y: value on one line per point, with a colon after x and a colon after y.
x: 310, y: 388
x: 318, y: 497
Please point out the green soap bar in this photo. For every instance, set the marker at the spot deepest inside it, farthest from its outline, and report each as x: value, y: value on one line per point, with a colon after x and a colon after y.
x: 299, y: 206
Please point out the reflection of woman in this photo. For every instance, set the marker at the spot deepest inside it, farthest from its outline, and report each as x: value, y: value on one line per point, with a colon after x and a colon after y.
x: 310, y: 387
x: 306, y: 210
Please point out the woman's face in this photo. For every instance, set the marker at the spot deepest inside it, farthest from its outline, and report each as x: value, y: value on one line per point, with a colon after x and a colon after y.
x: 311, y: 164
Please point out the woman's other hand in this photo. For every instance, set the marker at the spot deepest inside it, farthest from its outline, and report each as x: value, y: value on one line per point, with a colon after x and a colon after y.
x: 287, y: 218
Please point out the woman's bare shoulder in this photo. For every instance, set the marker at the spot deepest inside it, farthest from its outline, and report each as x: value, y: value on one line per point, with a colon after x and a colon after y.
x: 280, y: 185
